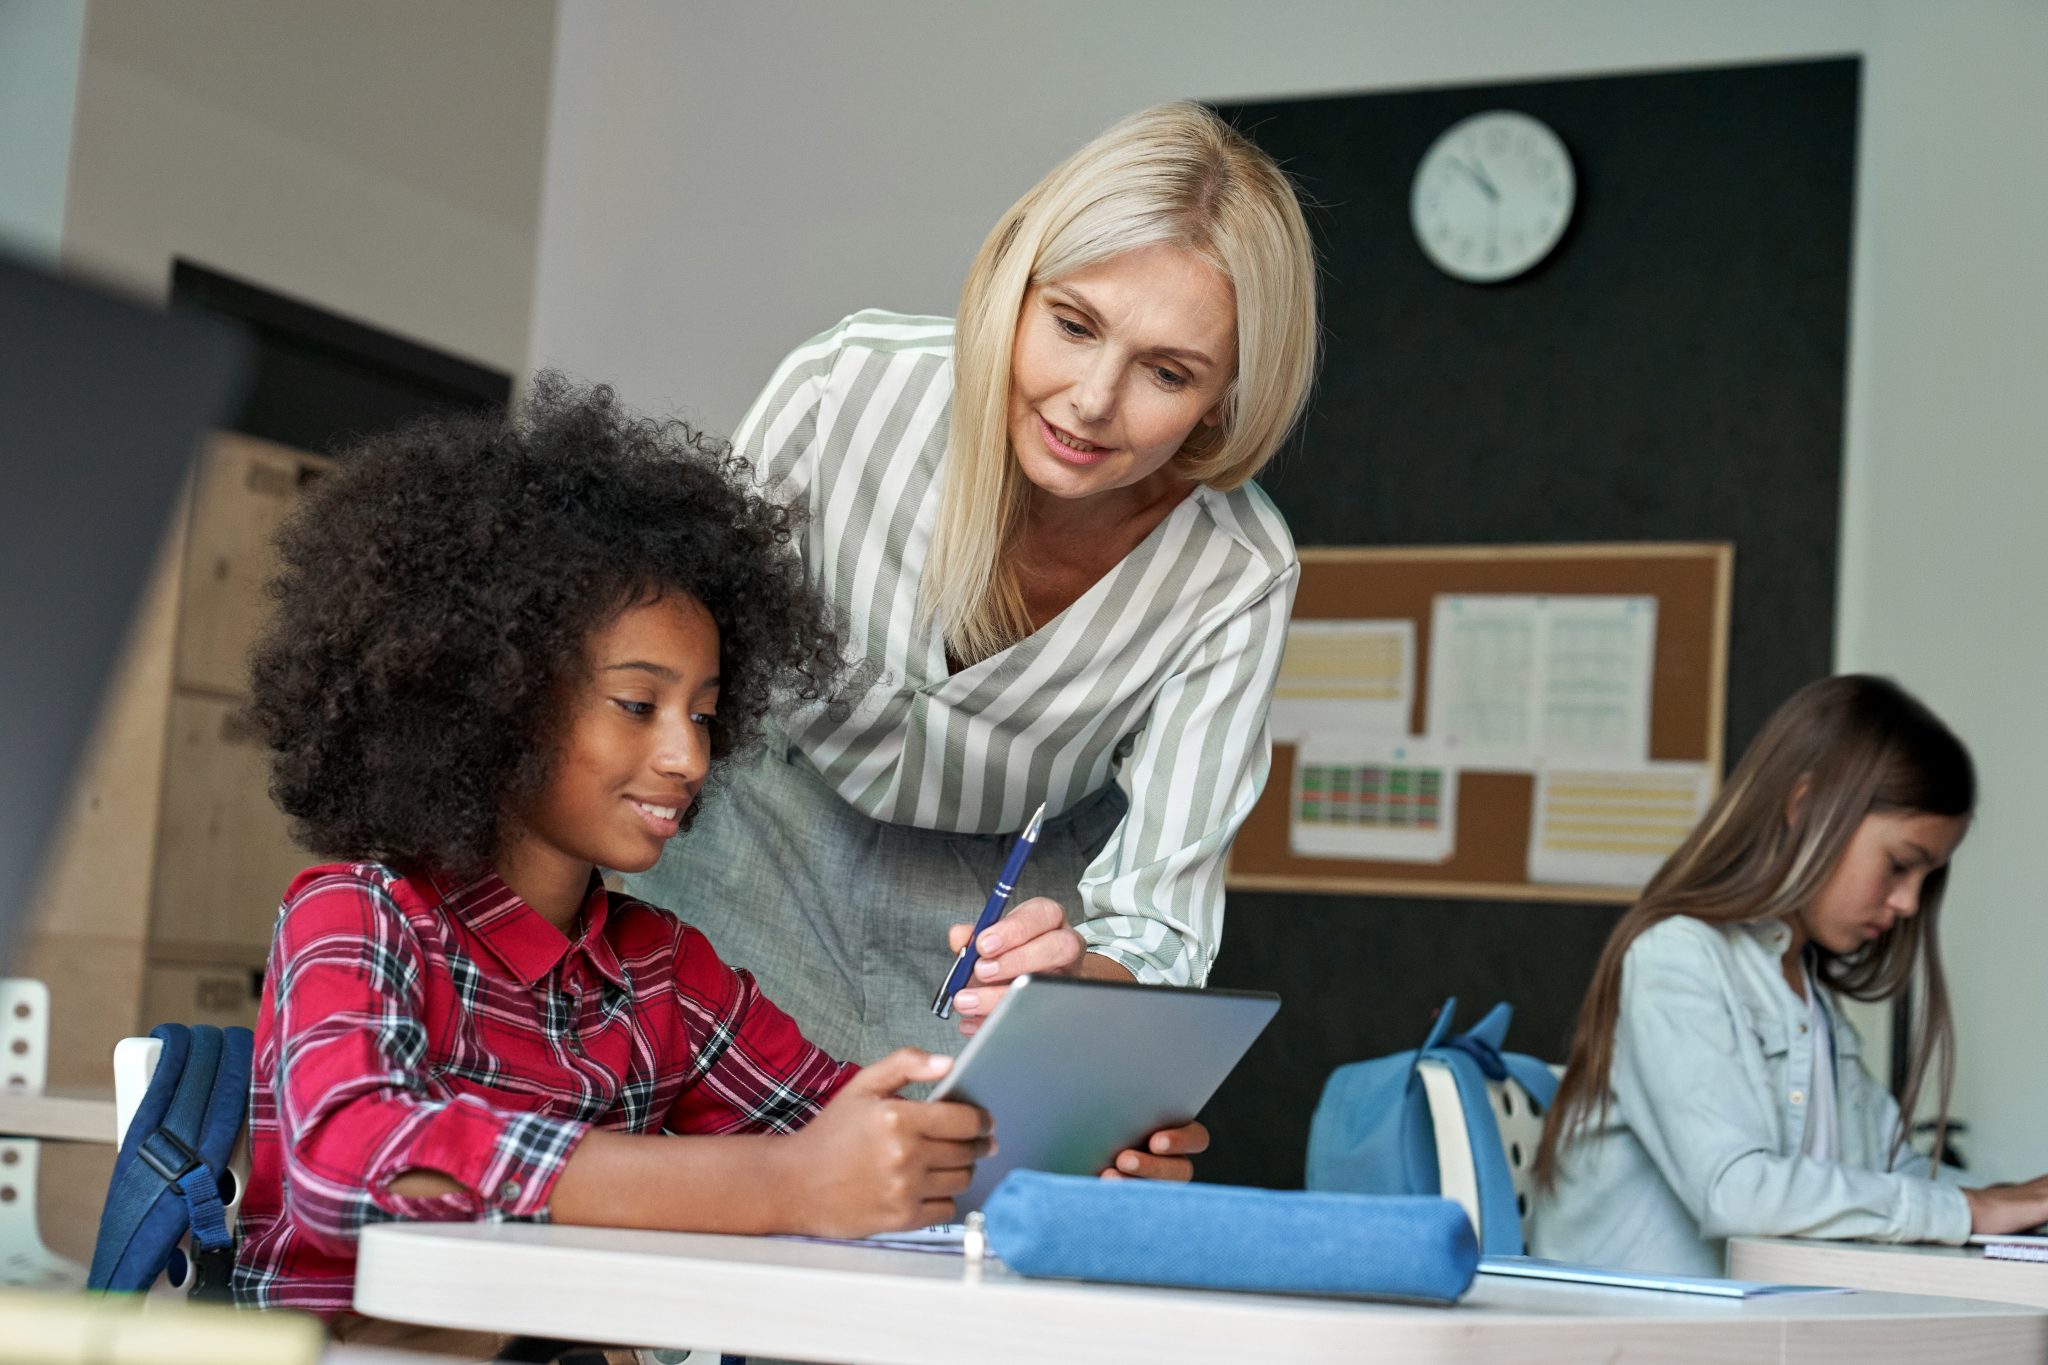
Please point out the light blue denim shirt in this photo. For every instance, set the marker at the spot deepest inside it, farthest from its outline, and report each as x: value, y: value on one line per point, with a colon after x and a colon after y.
x: 1713, y: 1057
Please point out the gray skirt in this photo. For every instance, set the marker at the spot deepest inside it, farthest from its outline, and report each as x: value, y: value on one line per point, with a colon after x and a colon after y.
x: 843, y: 917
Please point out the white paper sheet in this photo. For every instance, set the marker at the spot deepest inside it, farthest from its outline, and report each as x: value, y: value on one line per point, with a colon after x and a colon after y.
x: 1345, y: 677
x: 1595, y: 679
x: 1532, y: 1268
x: 946, y: 1239
x: 1517, y: 681
x: 1482, y: 679
x: 1616, y: 827
x: 1354, y: 797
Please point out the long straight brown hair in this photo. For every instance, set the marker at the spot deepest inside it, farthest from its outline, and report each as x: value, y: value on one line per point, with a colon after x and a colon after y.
x: 1838, y: 750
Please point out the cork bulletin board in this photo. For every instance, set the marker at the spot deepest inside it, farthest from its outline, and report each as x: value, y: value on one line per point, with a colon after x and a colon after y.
x: 1494, y: 809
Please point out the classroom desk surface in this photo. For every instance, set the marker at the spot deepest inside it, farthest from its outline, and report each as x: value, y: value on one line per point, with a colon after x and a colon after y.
x: 865, y: 1306
x: 60, y: 1116
x: 1961, y: 1272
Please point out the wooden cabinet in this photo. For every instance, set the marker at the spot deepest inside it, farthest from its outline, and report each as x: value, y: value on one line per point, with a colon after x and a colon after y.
x: 201, y: 993
x: 244, y: 490
x: 224, y: 853
x: 159, y: 892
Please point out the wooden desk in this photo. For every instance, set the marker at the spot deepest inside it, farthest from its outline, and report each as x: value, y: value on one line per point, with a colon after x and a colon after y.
x: 807, y: 1301
x: 1959, y: 1272
x: 80, y: 1116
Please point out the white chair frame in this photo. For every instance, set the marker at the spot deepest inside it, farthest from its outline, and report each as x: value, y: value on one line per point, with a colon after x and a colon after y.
x: 24, y: 1070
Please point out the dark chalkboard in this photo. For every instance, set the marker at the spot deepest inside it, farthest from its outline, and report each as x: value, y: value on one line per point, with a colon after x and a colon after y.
x: 1673, y: 371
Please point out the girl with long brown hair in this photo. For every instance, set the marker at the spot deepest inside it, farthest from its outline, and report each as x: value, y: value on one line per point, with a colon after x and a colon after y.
x: 1713, y: 1088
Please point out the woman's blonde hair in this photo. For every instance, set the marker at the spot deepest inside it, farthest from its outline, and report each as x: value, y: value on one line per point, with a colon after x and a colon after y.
x: 1173, y: 174
x: 1838, y: 750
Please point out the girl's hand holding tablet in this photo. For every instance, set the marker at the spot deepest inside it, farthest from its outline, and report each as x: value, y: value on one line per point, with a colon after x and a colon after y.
x: 873, y: 1161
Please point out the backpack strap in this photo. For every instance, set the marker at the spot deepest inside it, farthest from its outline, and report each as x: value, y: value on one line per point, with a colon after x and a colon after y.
x: 1485, y: 1042
x: 1473, y: 1058
x: 166, y: 1175
x: 1500, y: 1222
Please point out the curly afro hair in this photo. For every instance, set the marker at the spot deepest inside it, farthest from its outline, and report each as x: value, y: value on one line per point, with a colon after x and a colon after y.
x: 438, y: 590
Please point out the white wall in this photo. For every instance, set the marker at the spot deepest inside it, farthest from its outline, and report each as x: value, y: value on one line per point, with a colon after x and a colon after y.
x: 730, y: 177
x: 726, y: 179
x: 381, y: 158
x: 40, y: 45
x: 1945, y: 560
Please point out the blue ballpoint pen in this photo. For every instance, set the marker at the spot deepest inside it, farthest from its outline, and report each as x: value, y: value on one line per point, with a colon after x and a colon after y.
x: 963, y: 965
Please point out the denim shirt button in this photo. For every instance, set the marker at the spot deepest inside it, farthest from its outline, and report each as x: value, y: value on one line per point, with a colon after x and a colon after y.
x: 1799, y: 1097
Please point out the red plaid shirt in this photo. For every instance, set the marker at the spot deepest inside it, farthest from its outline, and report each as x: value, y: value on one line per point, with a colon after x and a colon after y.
x: 416, y: 1022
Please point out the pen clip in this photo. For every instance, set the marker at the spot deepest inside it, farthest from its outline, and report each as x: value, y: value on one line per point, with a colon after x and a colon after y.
x: 942, y: 1003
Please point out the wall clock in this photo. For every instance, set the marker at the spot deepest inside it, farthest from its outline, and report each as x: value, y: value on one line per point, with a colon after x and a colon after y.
x: 1492, y: 196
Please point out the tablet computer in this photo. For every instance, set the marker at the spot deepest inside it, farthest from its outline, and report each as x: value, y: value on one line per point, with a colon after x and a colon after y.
x: 1075, y: 1071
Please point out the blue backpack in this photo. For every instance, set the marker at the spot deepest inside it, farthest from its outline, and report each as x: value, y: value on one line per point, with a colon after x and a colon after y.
x: 1371, y: 1132
x: 168, y: 1176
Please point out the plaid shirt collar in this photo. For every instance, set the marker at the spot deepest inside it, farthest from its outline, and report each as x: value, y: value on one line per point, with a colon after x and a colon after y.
x: 520, y: 937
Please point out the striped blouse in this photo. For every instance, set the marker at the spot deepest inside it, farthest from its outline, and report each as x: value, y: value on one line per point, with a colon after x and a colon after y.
x: 1159, y: 675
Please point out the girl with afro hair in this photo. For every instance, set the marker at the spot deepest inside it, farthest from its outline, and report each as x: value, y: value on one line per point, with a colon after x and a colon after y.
x: 508, y: 653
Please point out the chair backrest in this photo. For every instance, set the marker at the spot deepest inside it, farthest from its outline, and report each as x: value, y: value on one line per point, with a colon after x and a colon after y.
x: 135, y: 1062
x: 1517, y: 1128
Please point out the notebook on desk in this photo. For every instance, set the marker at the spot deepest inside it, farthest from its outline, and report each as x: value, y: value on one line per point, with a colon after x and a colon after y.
x: 1535, y: 1268
x: 2012, y: 1246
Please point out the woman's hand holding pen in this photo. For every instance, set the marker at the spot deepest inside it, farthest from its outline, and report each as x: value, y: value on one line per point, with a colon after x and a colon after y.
x: 1034, y: 937
x: 873, y: 1161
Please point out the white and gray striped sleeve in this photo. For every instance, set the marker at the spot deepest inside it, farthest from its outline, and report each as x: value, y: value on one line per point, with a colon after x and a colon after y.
x: 1152, y: 901
x: 778, y: 436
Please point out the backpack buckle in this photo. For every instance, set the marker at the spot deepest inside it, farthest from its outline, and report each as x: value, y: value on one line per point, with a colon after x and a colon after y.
x: 213, y: 1273
x: 166, y: 1153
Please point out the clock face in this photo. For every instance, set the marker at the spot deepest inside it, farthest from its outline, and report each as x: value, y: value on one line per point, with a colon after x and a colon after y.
x: 1492, y: 196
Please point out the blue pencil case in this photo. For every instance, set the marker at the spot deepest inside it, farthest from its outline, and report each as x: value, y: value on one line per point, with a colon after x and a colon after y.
x: 1232, y: 1237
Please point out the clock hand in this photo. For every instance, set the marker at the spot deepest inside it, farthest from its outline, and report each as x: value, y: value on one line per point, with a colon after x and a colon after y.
x: 1479, y: 178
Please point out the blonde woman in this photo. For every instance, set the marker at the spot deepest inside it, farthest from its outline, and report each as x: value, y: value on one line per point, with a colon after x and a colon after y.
x: 1714, y: 1089
x: 1061, y: 587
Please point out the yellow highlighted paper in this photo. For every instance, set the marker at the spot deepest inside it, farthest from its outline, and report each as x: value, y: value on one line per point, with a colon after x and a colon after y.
x: 1347, y: 679
x: 1613, y: 827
